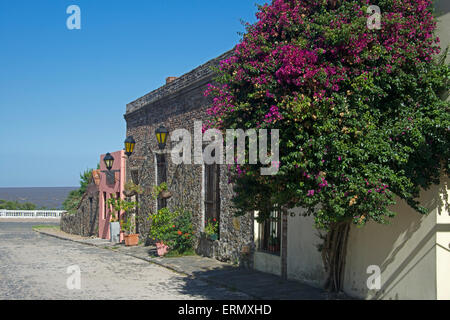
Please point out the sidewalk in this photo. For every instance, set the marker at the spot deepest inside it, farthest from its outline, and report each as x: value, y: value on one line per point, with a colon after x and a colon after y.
x: 256, y: 284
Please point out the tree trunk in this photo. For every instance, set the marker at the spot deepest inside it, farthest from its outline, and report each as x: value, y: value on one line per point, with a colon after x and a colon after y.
x: 334, y: 253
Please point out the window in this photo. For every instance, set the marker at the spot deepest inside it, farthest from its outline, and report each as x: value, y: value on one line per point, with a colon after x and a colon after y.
x: 104, y: 205
x: 270, y: 234
x: 212, y: 192
x: 161, y: 176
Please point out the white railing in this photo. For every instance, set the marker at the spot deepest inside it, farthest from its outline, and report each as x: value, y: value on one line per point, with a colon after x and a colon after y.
x: 31, y: 214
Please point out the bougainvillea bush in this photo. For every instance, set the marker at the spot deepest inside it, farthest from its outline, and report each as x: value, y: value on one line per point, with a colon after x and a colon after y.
x: 361, y: 112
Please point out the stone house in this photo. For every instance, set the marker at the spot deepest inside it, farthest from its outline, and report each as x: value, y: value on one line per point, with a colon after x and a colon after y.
x: 203, y: 190
x: 85, y: 221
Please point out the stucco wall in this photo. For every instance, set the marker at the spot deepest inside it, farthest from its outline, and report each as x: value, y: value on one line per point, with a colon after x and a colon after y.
x: 405, y: 251
x: 304, y: 261
x: 117, y: 187
x: 443, y: 244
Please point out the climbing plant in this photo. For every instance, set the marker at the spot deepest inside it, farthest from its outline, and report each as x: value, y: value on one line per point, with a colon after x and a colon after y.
x: 360, y: 111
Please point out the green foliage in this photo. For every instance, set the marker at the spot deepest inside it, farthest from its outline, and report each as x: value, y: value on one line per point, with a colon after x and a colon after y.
x: 74, y: 198
x: 360, y: 112
x: 174, y: 228
x: 72, y: 201
x: 119, y: 205
x: 212, y: 227
x: 127, y: 226
x: 158, y: 189
x: 162, y: 225
x: 15, y: 205
x: 85, y: 179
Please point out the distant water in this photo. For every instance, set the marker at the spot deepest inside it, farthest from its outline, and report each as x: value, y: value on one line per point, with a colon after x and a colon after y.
x: 51, y: 198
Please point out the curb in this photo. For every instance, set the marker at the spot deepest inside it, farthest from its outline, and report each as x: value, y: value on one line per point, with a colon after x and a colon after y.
x: 173, y: 269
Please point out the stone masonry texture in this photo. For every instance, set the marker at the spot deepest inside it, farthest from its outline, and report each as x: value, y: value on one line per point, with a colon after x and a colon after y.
x: 85, y: 221
x: 176, y: 106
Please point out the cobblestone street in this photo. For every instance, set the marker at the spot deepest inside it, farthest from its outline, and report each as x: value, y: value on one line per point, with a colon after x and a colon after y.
x: 34, y: 266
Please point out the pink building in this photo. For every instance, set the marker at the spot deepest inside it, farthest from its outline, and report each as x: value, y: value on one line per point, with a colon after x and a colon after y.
x: 110, y: 188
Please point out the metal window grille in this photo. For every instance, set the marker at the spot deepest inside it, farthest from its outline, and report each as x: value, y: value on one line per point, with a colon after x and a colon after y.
x: 270, y: 234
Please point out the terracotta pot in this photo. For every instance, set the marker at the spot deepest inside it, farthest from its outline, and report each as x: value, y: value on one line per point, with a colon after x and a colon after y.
x: 162, y: 249
x: 131, y: 240
x: 166, y: 195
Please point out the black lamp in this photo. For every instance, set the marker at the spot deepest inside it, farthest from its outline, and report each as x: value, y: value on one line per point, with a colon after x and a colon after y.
x: 161, y: 136
x: 129, y: 146
x: 109, y: 161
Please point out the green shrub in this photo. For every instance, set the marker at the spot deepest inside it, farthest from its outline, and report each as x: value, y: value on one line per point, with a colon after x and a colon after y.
x: 174, y: 228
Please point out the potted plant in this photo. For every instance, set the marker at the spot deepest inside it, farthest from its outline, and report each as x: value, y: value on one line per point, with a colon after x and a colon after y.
x: 162, y: 230
x: 131, y: 238
x: 212, y: 229
x: 162, y: 249
x: 161, y: 191
x: 131, y: 189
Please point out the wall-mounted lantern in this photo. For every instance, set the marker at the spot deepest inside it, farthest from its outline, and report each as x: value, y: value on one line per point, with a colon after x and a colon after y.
x: 109, y: 161
x: 129, y: 146
x: 110, y: 174
x: 161, y: 136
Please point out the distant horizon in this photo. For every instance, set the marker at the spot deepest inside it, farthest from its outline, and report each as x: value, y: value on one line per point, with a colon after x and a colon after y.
x: 48, y: 197
x: 39, y: 187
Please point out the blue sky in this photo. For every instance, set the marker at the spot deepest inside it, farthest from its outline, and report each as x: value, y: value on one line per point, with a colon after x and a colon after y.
x: 63, y: 92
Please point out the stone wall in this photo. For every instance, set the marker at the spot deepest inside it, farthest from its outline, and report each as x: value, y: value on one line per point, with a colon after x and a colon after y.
x: 178, y: 105
x: 85, y: 221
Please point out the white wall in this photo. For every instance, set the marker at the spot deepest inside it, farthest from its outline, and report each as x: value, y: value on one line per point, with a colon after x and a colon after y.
x: 303, y: 258
x: 443, y: 245
x: 405, y: 251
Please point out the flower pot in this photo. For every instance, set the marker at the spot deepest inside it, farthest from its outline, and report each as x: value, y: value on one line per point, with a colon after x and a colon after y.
x: 162, y: 249
x: 131, y: 240
x: 166, y: 194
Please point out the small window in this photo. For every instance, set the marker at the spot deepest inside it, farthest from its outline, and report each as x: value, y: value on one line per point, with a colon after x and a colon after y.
x: 212, y: 192
x: 270, y: 234
x: 161, y: 176
x: 105, y: 207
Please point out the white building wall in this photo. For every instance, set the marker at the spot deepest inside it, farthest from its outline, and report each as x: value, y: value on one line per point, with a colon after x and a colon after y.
x: 443, y: 244
x: 304, y: 261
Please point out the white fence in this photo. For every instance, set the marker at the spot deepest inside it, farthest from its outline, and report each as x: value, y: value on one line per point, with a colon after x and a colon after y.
x: 30, y: 214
